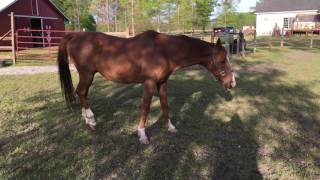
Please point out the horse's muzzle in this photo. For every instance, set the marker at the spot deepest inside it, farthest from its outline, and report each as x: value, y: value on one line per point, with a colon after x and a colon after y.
x: 228, y: 81
x: 233, y: 82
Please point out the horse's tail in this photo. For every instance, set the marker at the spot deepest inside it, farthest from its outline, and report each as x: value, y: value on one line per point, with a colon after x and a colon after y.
x: 64, y: 72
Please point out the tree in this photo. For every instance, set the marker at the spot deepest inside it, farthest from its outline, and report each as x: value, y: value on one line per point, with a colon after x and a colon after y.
x: 78, y: 13
x: 88, y: 22
x: 138, y: 15
x: 229, y: 17
x: 228, y: 12
x: 204, y: 9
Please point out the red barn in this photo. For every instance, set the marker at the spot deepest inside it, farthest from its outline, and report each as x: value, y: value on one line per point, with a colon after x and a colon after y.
x: 30, y: 14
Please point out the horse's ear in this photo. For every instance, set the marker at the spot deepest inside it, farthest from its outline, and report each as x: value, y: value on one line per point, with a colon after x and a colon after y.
x: 218, y: 42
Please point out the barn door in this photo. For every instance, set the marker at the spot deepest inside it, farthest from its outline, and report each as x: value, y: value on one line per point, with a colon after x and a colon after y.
x: 36, y: 25
x: 35, y: 7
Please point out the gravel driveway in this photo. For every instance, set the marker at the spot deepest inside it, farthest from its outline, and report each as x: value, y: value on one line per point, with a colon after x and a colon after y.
x: 29, y: 70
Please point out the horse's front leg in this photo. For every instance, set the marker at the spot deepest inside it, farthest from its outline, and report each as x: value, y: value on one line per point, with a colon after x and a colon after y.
x: 149, y: 88
x: 162, y: 89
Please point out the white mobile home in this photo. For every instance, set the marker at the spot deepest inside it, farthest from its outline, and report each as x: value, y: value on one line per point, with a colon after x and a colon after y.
x: 281, y: 13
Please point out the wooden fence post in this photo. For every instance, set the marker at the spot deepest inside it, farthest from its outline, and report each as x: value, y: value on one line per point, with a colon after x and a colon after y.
x: 238, y: 45
x: 282, y: 34
x: 243, y: 52
x: 13, y: 38
x: 255, y: 41
x: 311, y: 40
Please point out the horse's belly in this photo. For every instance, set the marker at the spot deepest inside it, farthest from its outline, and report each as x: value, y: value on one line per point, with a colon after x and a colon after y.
x: 122, y: 72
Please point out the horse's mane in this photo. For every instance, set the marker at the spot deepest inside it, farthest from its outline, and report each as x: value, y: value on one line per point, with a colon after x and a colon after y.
x: 152, y: 33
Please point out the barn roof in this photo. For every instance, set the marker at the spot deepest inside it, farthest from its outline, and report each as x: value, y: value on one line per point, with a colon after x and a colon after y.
x: 287, y: 5
x: 4, y: 4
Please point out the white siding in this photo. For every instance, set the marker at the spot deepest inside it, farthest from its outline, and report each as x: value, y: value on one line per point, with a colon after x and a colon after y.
x: 265, y: 22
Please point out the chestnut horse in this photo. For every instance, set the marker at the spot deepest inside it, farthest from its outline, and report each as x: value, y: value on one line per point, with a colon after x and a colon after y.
x: 148, y: 58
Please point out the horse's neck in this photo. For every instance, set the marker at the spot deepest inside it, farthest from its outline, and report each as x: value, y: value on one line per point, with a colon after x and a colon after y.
x: 194, y: 54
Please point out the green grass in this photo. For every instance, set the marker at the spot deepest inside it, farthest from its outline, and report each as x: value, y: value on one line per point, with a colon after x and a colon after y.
x: 268, y: 127
x: 31, y: 57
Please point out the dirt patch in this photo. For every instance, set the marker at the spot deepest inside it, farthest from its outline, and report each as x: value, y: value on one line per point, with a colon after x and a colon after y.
x: 260, y: 68
x: 30, y: 70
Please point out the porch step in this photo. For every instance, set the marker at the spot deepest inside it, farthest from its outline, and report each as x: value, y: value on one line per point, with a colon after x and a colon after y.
x: 5, y: 48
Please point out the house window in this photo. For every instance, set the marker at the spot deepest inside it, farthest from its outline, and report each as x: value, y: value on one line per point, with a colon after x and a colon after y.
x: 287, y: 23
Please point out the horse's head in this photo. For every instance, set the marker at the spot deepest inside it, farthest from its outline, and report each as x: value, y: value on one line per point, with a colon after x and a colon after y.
x: 219, y: 65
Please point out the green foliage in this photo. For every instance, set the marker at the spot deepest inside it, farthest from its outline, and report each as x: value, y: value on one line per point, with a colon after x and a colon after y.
x: 203, y: 10
x: 163, y: 15
x: 78, y: 12
x: 88, y: 22
x: 235, y: 19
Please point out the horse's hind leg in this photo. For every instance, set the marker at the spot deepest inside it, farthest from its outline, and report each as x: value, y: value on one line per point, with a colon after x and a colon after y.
x: 148, y: 89
x: 162, y: 89
x: 85, y: 82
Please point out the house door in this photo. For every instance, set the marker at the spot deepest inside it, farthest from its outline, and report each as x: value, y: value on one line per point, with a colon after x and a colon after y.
x: 36, y: 25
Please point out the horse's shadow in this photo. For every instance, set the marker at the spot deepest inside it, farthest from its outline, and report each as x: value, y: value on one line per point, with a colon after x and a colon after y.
x: 203, y: 147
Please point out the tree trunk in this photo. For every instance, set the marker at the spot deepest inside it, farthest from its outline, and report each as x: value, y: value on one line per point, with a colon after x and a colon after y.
x: 108, y: 24
x: 178, y: 18
x: 125, y: 17
x: 169, y: 18
x: 77, y: 15
x: 158, y: 19
x: 132, y: 17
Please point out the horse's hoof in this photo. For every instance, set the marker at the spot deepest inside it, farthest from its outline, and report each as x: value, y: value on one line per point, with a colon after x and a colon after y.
x: 144, y: 141
x: 92, y: 127
x: 173, y: 130
x: 91, y: 123
x: 171, y: 127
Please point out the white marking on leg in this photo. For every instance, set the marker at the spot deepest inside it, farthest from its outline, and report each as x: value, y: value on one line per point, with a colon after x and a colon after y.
x: 171, y: 127
x: 142, y: 136
x: 88, y: 116
x: 233, y: 82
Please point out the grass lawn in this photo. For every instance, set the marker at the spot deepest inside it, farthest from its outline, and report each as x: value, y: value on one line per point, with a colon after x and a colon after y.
x: 268, y: 127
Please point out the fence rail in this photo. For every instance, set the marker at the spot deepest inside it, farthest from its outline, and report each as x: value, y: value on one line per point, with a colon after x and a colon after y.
x: 42, y: 44
x: 33, y: 44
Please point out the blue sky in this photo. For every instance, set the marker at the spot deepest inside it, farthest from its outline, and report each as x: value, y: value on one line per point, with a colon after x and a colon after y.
x: 245, y: 5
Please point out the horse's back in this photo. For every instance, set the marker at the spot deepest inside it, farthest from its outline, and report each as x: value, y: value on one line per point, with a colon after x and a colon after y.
x: 120, y: 59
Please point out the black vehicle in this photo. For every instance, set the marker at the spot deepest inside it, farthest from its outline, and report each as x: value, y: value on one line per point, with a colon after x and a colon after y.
x: 224, y: 30
x: 242, y: 43
x: 229, y: 35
